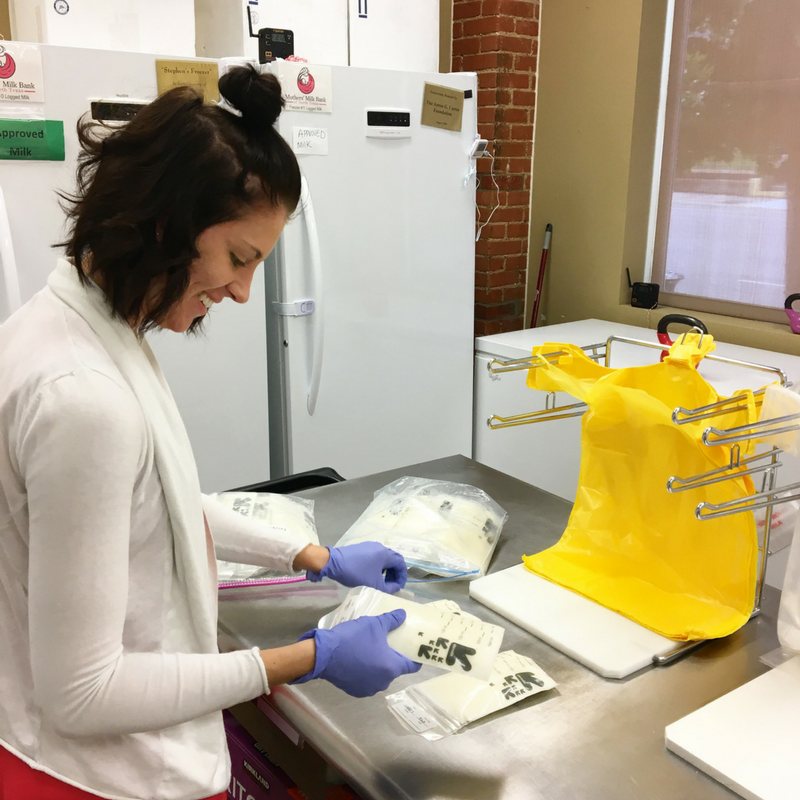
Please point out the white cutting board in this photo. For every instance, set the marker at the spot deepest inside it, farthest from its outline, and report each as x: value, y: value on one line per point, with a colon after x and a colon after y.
x: 748, y: 739
x: 603, y: 640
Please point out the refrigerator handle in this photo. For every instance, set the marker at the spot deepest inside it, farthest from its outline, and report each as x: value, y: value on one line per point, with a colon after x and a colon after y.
x: 9, y: 263
x: 317, y: 319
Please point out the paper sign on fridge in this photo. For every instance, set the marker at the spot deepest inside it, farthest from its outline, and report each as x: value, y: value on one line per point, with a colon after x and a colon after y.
x: 21, y: 73
x: 306, y: 87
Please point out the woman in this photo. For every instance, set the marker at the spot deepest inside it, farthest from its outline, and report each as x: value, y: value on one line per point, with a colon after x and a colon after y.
x: 111, y: 684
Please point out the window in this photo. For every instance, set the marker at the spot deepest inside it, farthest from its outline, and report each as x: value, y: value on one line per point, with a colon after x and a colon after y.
x: 727, y: 232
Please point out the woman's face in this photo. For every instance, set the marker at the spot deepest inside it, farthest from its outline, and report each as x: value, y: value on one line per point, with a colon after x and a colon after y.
x: 229, y: 255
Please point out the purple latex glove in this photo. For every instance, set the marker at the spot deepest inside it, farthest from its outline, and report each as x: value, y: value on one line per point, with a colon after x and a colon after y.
x: 355, y: 656
x: 363, y: 565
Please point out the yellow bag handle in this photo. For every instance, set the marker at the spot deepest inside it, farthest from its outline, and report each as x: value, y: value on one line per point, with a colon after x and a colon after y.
x: 691, y: 349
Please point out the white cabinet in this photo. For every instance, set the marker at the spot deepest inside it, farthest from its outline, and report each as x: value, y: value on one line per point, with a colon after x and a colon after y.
x: 395, y: 34
x: 378, y: 34
x: 319, y: 27
x: 139, y: 26
x: 547, y: 454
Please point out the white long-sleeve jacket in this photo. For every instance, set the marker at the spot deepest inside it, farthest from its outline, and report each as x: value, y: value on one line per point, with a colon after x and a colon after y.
x: 98, y: 682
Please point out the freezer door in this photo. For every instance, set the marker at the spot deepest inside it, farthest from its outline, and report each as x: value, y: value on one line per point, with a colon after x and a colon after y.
x: 73, y: 77
x: 395, y: 34
x: 395, y: 221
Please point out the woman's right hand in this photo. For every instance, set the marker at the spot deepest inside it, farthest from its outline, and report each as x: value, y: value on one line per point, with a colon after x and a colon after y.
x: 355, y: 656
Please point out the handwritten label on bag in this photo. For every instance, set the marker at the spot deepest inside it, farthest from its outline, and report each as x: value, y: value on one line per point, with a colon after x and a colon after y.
x: 414, y: 716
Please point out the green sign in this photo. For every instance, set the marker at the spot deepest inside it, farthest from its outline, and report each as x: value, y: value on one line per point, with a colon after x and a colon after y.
x: 32, y: 139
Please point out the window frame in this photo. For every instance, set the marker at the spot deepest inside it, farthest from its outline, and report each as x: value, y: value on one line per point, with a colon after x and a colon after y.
x: 663, y: 163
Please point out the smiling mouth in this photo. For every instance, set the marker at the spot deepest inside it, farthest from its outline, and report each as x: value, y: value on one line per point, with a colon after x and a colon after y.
x: 205, y: 300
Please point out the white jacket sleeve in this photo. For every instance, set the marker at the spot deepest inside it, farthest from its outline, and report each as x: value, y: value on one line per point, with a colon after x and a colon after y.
x: 79, y: 451
x: 244, y: 541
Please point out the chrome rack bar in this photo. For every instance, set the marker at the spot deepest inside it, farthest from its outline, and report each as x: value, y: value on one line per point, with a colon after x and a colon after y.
x: 735, y: 361
x: 675, y: 484
x: 495, y: 421
x: 680, y: 650
x: 770, y: 479
x: 706, y: 412
x: 498, y: 366
x: 750, y: 503
x: 755, y: 430
x: 531, y: 362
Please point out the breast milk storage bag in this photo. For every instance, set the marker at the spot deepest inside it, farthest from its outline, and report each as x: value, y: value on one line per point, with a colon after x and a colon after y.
x: 443, y: 528
x: 443, y: 705
x: 277, y: 513
x: 433, y: 633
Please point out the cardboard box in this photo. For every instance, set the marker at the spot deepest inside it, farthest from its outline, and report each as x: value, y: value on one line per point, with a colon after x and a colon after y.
x: 306, y: 774
x: 253, y: 775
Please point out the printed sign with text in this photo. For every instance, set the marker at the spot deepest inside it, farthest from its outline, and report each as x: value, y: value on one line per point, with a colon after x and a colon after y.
x: 442, y: 107
x: 21, y: 78
x: 306, y: 87
x: 203, y: 75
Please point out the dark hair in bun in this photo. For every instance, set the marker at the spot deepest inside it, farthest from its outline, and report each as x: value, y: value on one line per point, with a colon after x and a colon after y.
x: 257, y: 97
x: 147, y: 190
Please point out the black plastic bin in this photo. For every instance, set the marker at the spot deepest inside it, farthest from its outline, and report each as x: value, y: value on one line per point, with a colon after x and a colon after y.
x: 290, y: 484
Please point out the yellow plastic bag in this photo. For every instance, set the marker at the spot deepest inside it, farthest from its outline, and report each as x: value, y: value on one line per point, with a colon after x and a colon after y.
x: 630, y: 545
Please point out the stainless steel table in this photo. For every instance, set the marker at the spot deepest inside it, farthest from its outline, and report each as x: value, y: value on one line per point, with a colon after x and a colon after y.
x: 590, y: 739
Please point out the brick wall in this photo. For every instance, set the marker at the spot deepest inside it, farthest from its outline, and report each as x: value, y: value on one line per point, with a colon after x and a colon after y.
x: 499, y: 40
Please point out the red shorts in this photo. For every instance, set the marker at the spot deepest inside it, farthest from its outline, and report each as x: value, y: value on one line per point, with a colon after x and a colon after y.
x: 18, y: 781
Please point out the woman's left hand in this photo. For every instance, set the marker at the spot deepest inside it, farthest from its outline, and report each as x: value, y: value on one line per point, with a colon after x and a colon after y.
x: 364, y: 564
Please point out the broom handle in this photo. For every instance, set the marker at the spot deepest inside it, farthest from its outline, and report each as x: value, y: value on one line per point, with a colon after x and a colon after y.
x: 548, y: 232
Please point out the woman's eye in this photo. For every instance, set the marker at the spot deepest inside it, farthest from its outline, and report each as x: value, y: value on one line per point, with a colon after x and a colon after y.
x: 235, y: 261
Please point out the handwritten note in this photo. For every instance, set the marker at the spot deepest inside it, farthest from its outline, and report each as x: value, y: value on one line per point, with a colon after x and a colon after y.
x: 310, y: 141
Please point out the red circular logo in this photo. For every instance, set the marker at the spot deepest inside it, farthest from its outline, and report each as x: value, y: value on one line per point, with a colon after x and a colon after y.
x: 305, y: 81
x: 7, y: 65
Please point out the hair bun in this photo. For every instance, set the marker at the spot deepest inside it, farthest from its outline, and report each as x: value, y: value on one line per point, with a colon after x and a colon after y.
x: 256, y: 96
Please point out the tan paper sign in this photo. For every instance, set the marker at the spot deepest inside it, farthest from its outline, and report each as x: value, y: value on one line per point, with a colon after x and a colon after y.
x: 204, y: 75
x: 442, y: 107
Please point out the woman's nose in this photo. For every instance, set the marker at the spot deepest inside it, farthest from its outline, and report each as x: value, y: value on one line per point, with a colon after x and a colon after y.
x: 239, y: 287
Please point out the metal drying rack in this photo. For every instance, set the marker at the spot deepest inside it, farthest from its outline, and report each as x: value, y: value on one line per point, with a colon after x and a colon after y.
x: 765, y: 464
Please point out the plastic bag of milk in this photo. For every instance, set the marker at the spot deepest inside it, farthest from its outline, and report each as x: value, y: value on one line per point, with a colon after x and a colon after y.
x: 443, y: 528
x: 276, y: 512
x: 443, y: 705
x: 437, y: 633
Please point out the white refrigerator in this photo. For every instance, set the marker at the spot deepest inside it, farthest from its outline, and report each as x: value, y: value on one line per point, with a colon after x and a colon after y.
x: 380, y: 374
x: 393, y: 293
x: 378, y: 34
